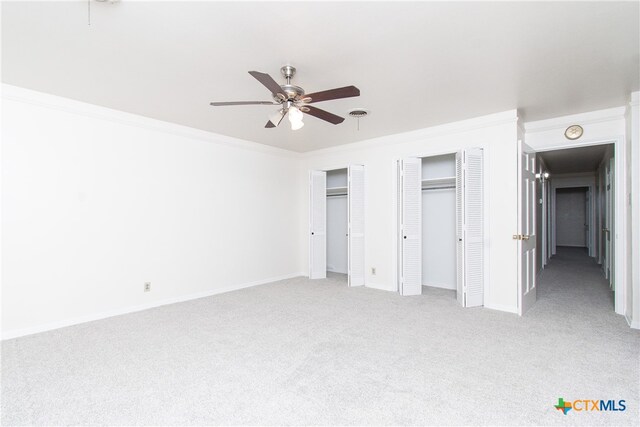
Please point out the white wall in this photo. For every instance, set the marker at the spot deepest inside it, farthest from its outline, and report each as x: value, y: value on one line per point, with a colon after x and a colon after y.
x: 632, y: 309
x: 337, y: 178
x: 337, y: 227
x: 96, y: 202
x: 443, y: 166
x: 495, y: 133
x: 439, y: 224
x: 571, y: 217
x: 439, y: 238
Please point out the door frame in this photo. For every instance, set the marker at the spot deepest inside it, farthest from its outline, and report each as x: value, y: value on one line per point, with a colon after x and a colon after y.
x: 620, y: 217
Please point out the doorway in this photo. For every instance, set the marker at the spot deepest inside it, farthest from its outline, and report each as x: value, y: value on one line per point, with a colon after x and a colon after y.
x: 575, y: 207
x: 572, y: 217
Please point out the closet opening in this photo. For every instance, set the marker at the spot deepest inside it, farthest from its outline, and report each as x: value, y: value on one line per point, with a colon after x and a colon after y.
x: 439, y: 223
x: 440, y: 215
x: 337, y: 224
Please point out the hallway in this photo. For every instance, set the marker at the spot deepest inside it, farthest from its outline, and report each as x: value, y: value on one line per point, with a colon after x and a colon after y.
x: 573, y: 287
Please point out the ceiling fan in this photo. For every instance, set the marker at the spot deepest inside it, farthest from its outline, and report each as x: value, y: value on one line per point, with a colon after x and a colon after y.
x: 293, y: 101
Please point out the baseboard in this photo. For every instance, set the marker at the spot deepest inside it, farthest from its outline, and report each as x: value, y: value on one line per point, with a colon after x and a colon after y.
x: 379, y: 287
x: 631, y: 323
x: 500, y: 307
x: 132, y: 309
x: 439, y: 285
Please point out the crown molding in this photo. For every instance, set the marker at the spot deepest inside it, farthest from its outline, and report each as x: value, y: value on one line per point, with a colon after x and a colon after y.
x: 54, y: 102
x: 496, y: 119
x: 589, y: 118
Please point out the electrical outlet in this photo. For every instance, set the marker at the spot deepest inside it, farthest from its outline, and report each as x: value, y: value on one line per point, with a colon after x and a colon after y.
x: 373, y: 271
x: 147, y: 286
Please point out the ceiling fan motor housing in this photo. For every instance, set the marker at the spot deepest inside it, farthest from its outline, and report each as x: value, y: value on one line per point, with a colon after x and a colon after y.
x: 293, y: 92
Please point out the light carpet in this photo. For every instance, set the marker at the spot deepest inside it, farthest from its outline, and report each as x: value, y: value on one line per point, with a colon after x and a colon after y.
x: 317, y: 352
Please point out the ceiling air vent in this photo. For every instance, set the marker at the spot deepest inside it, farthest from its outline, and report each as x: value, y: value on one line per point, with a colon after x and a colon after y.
x: 358, y: 113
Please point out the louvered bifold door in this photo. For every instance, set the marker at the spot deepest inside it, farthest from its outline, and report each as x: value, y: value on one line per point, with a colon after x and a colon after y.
x: 411, y: 226
x: 460, y: 228
x: 317, y: 225
x: 356, y: 225
x: 473, y: 228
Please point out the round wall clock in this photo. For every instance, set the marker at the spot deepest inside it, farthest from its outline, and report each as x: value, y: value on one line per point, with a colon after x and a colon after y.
x: 573, y: 132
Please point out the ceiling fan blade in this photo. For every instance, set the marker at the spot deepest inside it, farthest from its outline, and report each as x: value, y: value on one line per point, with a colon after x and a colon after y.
x: 324, y: 115
x: 268, y: 82
x: 341, y: 92
x: 222, y: 104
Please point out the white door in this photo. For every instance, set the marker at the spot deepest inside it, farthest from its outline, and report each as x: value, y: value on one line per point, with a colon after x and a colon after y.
x: 606, y: 264
x: 410, y: 226
x: 611, y: 227
x: 469, y: 228
x: 460, y: 227
x: 526, y: 237
x: 356, y: 225
x: 317, y: 225
x: 587, y: 221
x: 473, y: 228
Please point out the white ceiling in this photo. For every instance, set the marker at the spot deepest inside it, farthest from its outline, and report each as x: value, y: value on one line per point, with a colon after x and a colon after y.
x: 574, y: 160
x: 416, y: 64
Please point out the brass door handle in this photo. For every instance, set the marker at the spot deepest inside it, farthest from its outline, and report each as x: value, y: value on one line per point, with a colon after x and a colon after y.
x: 525, y: 237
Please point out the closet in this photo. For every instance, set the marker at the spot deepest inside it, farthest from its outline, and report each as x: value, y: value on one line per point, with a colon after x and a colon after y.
x: 439, y: 221
x: 336, y: 223
x: 440, y: 224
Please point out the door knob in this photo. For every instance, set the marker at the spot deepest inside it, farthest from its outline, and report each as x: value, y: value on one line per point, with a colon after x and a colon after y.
x: 312, y: 233
x: 405, y: 237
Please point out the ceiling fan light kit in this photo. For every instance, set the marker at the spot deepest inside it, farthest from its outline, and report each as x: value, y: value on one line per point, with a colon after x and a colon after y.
x: 293, y: 101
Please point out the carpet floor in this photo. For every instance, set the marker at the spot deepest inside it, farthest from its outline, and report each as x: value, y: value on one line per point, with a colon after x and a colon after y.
x: 317, y: 352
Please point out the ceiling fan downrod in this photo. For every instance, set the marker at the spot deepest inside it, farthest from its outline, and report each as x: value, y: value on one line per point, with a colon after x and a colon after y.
x: 288, y: 71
